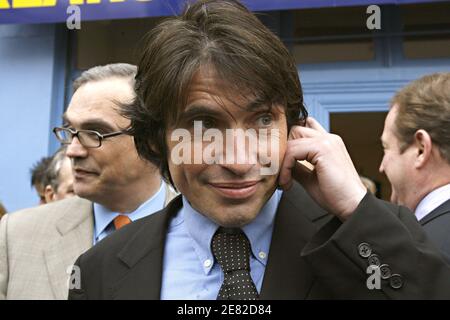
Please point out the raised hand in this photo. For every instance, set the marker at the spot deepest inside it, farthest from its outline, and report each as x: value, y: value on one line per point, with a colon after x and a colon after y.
x: 332, y: 181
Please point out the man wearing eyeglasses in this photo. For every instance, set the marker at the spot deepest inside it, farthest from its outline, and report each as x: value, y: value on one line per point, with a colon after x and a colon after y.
x: 114, y: 187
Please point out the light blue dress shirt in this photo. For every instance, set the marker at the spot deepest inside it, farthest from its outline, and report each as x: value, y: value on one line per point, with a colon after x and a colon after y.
x: 103, y: 216
x: 189, y: 269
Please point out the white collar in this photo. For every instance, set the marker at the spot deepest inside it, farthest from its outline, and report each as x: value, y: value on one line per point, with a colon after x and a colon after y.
x: 432, y: 200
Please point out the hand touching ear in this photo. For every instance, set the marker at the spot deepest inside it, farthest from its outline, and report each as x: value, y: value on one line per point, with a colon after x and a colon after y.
x: 333, y: 182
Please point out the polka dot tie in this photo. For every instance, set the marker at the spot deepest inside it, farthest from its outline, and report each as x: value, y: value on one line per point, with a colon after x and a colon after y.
x: 231, y: 249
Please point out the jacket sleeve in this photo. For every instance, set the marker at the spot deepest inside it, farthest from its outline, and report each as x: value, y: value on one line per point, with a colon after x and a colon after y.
x: 406, y: 265
x: 3, y: 257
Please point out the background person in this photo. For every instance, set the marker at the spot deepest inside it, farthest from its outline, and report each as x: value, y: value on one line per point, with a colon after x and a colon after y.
x: 416, y: 143
x: 59, y: 177
x: 38, y: 172
x: 114, y: 187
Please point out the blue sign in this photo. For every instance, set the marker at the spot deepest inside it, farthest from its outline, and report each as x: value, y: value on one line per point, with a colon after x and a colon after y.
x: 51, y: 11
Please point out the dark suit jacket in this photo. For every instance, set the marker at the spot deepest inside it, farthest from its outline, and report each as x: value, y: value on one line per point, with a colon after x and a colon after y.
x: 437, y: 226
x: 304, y: 262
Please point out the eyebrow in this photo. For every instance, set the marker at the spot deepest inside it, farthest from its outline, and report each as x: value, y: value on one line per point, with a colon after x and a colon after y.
x: 100, y: 123
x: 193, y: 110
x: 257, y: 105
x: 196, y: 110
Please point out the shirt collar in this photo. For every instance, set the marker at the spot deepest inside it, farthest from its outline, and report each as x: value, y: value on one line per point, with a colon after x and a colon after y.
x: 259, y: 231
x: 432, y: 200
x: 103, y: 216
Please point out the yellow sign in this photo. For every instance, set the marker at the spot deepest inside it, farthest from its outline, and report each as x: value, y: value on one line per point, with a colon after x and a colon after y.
x: 17, y: 4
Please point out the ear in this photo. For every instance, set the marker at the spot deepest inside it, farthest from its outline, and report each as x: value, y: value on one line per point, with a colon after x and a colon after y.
x: 423, y: 143
x: 49, y: 194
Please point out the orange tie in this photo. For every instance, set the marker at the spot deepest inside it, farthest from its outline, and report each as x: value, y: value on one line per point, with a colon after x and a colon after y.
x: 120, y: 221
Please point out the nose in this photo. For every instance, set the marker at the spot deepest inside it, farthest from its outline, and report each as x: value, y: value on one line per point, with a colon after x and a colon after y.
x: 76, y: 150
x: 241, y: 157
x: 238, y: 169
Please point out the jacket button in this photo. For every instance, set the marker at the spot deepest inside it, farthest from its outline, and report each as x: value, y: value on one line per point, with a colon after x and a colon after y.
x: 374, y: 260
x: 385, y: 271
x: 364, y: 250
x: 396, y: 281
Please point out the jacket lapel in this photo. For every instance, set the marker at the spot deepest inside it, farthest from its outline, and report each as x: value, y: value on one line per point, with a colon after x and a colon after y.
x: 287, y: 276
x: 76, y: 229
x: 442, y: 209
x: 143, y: 256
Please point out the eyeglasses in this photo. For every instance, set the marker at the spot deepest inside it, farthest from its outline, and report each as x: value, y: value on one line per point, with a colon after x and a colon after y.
x: 87, y: 138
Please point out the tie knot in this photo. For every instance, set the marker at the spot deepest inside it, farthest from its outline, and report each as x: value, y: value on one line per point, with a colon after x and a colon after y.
x: 120, y: 221
x: 231, y: 249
